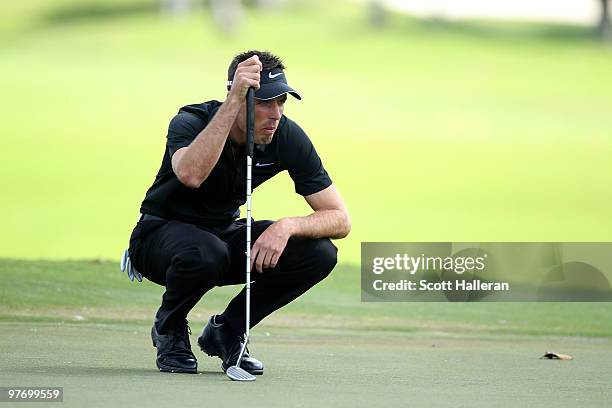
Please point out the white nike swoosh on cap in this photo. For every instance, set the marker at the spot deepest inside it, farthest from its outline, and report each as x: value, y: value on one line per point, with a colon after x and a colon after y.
x: 275, y: 75
x: 263, y: 164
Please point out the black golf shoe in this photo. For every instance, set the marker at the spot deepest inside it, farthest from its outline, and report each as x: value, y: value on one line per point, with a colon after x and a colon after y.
x: 174, y: 353
x: 220, y: 340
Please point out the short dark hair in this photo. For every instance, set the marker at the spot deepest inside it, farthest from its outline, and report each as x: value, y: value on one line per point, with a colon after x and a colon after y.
x: 268, y: 60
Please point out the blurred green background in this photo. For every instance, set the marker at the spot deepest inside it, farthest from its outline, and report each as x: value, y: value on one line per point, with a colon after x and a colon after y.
x: 431, y: 130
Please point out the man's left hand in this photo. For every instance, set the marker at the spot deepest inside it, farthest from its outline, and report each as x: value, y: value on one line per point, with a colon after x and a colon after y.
x: 270, y: 245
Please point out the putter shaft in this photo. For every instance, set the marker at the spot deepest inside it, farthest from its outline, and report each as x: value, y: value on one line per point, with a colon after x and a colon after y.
x: 250, y: 113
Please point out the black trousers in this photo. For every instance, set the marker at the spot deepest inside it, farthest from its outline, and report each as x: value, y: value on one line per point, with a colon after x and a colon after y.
x: 190, y: 260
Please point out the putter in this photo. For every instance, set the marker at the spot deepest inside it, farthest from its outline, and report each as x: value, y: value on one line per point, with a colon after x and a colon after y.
x: 235, y: 372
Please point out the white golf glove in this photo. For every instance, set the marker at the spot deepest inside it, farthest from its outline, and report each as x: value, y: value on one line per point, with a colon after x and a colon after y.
x: 126, y: 266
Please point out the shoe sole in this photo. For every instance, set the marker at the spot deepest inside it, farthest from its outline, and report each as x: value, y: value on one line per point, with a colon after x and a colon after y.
x: 212, y: 351
x: 167, y: 369
x: 209, y: 349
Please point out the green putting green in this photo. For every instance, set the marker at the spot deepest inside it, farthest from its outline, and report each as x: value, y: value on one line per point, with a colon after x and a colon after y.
x: 85, y: 327
x: 101, y: 365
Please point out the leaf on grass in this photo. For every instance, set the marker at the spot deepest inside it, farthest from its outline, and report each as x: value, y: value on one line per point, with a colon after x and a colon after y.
x: 549, y: 355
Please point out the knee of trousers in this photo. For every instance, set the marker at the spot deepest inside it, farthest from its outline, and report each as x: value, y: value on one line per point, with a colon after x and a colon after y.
x: 201, y: 265
x: 325, y: 256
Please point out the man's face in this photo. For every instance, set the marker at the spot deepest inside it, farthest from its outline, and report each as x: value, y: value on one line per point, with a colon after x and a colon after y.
x: 267, y: 116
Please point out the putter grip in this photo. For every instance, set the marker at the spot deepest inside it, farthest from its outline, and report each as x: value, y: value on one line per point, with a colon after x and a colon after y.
x: 250, y: 113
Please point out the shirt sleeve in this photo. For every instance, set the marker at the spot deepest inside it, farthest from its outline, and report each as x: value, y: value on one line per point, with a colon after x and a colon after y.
x: 183, y: 129
x: 303, y: 163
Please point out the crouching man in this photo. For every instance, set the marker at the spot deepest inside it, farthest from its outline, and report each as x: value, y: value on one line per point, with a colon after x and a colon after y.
x: 189, y: 239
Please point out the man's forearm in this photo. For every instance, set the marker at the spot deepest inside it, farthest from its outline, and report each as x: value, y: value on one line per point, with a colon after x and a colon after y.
x: 320, y: 224
x: 203, y: 153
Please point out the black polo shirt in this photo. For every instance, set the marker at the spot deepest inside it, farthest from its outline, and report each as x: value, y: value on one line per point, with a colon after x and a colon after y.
x: 216, y: 201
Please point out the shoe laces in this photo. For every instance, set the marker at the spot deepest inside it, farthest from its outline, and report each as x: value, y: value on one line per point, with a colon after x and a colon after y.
x: 243, y: 340
x: 238, y: 346
x: 179, y: 337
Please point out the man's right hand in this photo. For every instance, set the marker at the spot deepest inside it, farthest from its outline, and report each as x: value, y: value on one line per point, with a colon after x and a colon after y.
x: 246, y: 76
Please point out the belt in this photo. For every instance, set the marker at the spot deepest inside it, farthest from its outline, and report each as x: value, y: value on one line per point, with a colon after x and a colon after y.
x: 149, y: 217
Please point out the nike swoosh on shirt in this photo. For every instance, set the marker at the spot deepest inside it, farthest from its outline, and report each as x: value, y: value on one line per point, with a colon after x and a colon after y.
x: 275, y: 75
x: 263, y: 164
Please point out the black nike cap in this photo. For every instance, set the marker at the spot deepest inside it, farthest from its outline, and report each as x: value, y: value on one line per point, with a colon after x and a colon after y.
x: 272, y: 84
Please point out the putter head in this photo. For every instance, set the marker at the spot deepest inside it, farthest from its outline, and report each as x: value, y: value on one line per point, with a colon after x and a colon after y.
x: 238, y: 374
